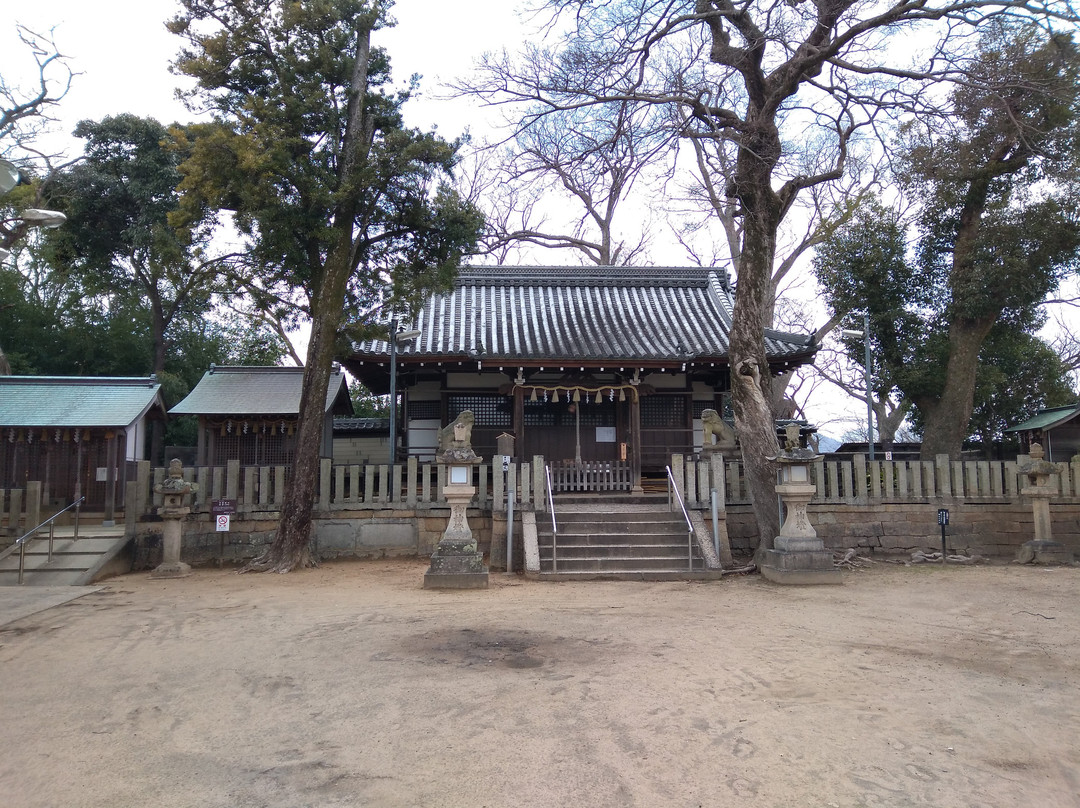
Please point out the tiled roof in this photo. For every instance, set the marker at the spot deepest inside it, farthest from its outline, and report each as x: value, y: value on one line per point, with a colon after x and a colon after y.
x: 1047, y: 419
x: 611, y: 314
x: 237, y: 390
x: 76, y: 401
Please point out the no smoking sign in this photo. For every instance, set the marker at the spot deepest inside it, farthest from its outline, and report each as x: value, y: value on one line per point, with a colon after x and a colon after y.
x: 223, y: 522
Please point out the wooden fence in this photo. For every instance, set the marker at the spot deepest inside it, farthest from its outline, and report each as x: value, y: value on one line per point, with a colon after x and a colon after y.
x: 881, y: 481
x: 348, y: 487
x: 419, y: 485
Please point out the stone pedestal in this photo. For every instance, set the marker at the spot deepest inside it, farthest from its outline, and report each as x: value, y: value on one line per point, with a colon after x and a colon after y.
x: 172, y: 534
x: 798, y: 556
x: 172, y: 511
x: 457, y: 563
x: 1042, y: 549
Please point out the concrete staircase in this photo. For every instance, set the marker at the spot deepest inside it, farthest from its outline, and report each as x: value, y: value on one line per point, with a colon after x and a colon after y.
x: 617, y: 542
x: 97, y: 553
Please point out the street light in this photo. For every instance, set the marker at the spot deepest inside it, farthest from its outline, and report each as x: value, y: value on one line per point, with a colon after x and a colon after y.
x: 396, y: 337
x: 865, y: 336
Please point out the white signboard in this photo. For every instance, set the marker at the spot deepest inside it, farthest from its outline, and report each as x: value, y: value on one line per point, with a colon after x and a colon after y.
x: 223, y: 523
x: 605, y: 434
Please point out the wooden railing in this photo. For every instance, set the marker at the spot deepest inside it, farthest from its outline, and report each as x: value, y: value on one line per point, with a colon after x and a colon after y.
x: 876, y: 481
x: 349, y: 487
x: 590, y: 475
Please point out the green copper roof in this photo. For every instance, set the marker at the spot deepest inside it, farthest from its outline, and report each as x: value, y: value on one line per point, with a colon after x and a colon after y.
x: 1047, y: 419
x: 240, y: 390
x: 76, y: 401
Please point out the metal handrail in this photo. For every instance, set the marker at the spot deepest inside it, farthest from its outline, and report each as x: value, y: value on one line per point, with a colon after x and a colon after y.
x: 23, y: 540
x: 689, y: 526
x: 551, y: 507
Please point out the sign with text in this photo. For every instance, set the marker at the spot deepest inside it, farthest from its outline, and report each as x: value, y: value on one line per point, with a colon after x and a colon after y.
x: 222, y: 507
x: 943, y: 516
x: 223, y: 523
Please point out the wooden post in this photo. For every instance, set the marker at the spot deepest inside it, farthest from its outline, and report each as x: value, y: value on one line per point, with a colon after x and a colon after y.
x: 944, y: 479
x: 635, y: 441
x: 110, y: 478
x: 142, y: 494
x: 325, y: 482
x: 859, y: 491
x: 412, y: 465
x: 33, y: 504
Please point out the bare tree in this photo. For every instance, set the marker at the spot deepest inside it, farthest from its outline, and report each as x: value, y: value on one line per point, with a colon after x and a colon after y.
x: 25, y: 113
x: 760, y: 75
x: 590, y: 161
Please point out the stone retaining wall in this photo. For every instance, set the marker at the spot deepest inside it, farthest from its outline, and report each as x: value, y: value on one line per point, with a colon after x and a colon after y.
x: 373, y: 533
x: 984, y: 528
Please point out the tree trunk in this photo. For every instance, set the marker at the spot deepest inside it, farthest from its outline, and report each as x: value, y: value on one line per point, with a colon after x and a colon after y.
x: 946, y: 418
x: 292, y: 544
x: 291, y: 547
x: 750, y: 377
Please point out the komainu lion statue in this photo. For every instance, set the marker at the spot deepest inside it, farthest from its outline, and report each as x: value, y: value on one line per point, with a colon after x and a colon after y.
x: 457, y: 435
x: 718, y: 435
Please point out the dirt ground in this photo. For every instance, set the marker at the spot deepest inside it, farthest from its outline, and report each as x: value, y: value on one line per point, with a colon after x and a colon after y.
x: 351, y: 685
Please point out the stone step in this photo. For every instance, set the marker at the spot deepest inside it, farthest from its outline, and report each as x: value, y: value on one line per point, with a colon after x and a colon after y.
x: 660, y: 574
x: 73, y: 562
x: 616, y: 550
x: 633, y: 563
x: 48, y: 577
x: 613, y: 528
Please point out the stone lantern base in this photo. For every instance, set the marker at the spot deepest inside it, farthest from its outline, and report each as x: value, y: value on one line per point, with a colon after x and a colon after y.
x: 457, y: 563
x: 1043, y: 551
x: 798, y: 556
x: 800, y: 567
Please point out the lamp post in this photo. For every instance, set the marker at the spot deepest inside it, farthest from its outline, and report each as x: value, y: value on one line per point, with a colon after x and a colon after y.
x: 396, y: 337
x: 865, y: 336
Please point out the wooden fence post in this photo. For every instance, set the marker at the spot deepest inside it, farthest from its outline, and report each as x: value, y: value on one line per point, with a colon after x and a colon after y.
x: 33, y: 504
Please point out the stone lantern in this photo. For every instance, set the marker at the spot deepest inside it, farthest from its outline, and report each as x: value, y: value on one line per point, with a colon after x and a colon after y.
x: 798, y: 555
x: 1042, y: 549
x: 457, y: 562
x: 172, y: 511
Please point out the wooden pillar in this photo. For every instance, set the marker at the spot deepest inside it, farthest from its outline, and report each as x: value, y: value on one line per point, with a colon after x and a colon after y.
x: 200, y: 452
x: 635, y: 441
x: 519, y: 422
x: 110, y: 477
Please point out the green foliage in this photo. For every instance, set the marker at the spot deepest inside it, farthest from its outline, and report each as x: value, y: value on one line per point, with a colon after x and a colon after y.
x: 997, y: 231
x: 280, y: 77
x: 366, y: 404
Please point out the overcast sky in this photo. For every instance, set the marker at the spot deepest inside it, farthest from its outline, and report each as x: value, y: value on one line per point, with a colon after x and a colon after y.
x: 122, y: 51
